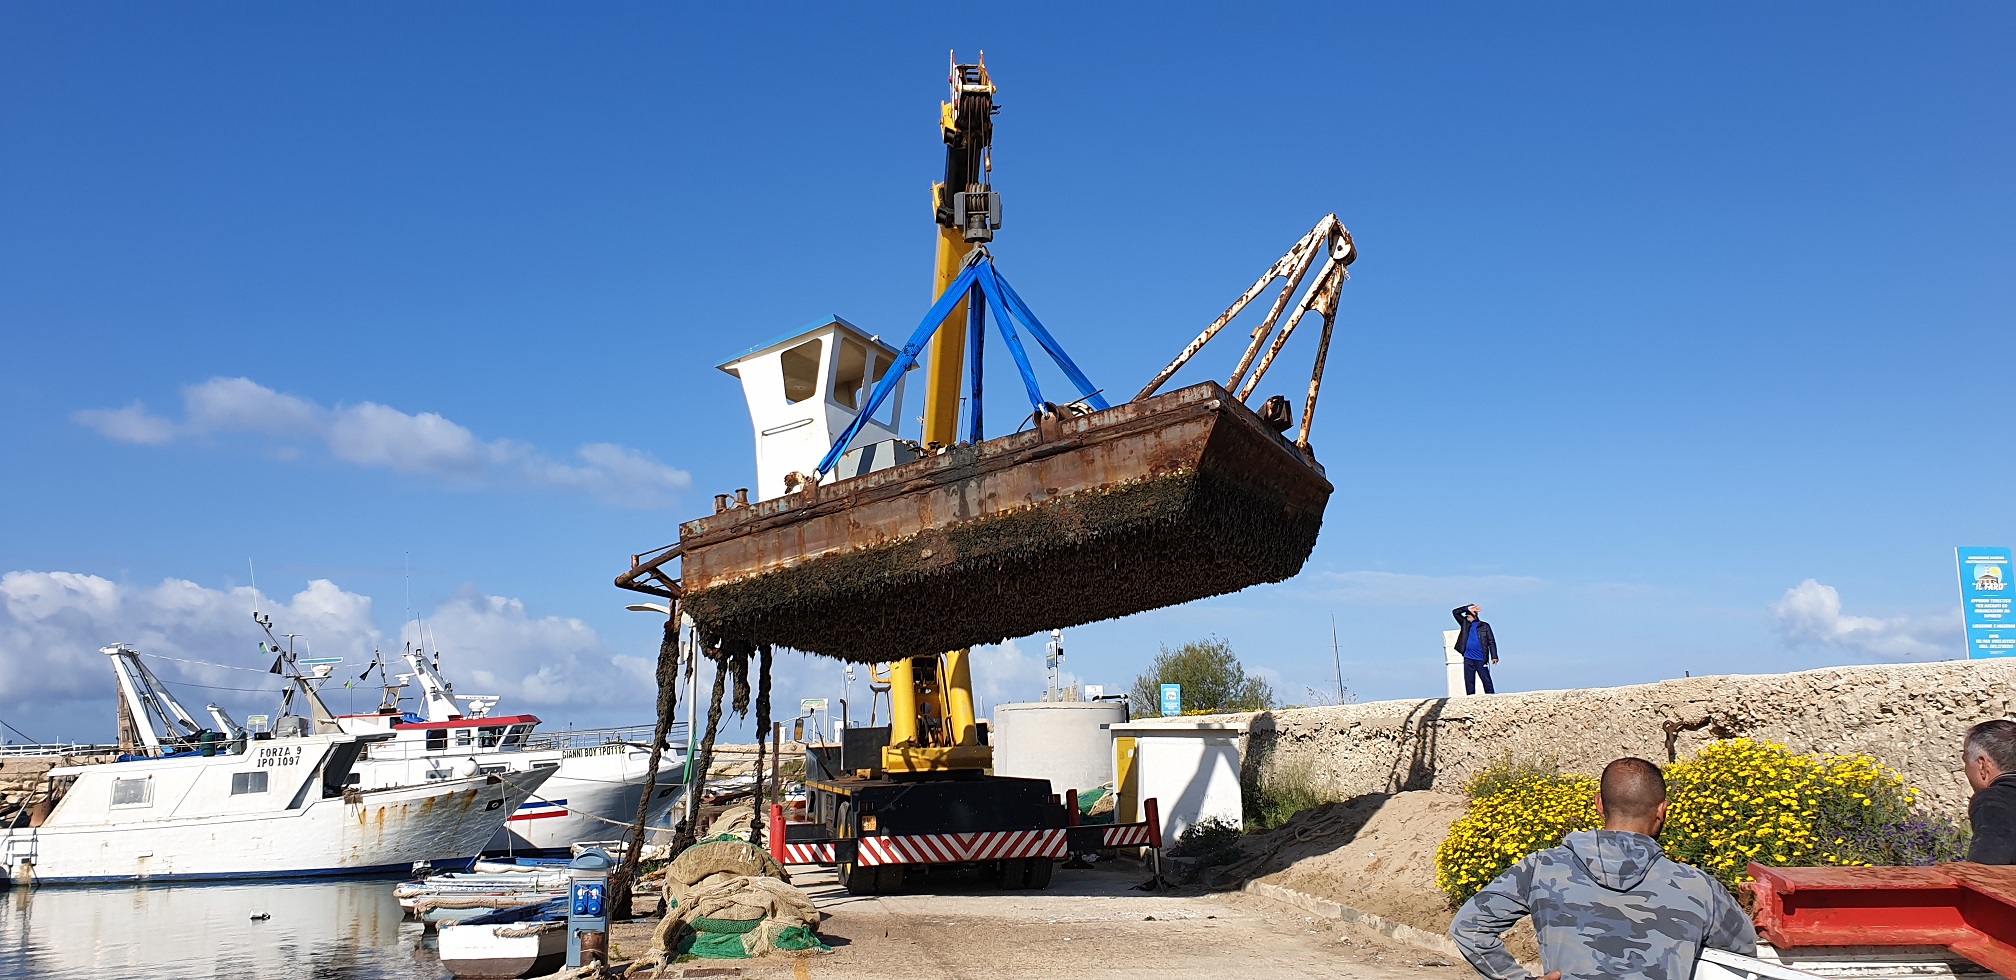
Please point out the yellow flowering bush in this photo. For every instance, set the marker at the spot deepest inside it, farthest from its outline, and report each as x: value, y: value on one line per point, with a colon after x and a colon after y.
x: 1741, y: 800
x: 1735, y: 802
x: 1519, y: 812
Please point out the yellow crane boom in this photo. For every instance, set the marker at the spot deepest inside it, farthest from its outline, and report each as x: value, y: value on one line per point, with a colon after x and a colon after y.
x: 933, y: 722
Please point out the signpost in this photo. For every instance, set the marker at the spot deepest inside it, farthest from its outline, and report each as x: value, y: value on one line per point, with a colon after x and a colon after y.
x: 1172, y: 700
x: 1984, y: 601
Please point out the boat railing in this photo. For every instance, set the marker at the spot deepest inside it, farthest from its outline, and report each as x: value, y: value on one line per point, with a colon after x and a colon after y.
x: 58, y: 749
x: 588, y: 740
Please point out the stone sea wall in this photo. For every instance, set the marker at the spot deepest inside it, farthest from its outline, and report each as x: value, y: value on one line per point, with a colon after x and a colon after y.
x: 1910, y: 716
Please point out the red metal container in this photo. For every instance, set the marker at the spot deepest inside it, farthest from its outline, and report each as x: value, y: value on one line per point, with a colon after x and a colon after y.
x: 1967, y: 908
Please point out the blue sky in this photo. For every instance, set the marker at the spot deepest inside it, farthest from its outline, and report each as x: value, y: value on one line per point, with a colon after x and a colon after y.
x: 1678, y: 340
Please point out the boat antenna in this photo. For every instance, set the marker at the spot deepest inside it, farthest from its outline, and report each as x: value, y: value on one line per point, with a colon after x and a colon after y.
x: 255, y: 587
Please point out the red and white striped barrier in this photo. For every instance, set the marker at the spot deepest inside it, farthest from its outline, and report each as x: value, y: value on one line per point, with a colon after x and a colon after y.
x: 803, y: 853
x: 957, y: 848
x: 1129, y: 835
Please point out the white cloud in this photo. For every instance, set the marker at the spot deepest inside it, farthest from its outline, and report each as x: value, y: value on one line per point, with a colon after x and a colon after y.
x: 52, y: 625
x: 1810, y: 614
x: 376, y: 435
x: 379, y: 436
x: 1003, y: 673
x: 244, y: 405
x: 130, y: 424
x: 493, y: 646
x: 54, y: 684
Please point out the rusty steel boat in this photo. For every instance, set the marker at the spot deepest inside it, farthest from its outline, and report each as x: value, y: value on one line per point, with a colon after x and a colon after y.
x: 1150, y: 503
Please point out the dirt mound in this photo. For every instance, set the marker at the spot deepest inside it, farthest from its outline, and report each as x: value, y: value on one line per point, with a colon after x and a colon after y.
x: 1387, y: 867
x: 1374, y: 853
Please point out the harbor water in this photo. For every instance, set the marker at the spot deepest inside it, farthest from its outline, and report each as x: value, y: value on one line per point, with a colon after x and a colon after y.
x: 329, y: 930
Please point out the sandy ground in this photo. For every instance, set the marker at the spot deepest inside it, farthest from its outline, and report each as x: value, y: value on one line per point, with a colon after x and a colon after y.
x: 1375, y: 853
x: 1087, y: 924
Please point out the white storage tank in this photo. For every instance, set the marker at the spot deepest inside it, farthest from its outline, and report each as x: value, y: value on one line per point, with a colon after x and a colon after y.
x: 1069, y: 743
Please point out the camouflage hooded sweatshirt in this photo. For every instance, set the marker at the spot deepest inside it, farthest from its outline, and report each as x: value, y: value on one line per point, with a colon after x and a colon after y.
x: 1608, y: 903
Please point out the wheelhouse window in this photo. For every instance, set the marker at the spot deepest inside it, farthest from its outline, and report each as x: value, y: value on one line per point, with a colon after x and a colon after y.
x: 854, y: 379
x: 437, y: 739
x: 515, y: 736
x: 801, y: 370
x: 133, y: 792
x: 248, y: 782
x: 463, y: 739
x: 489, y: 737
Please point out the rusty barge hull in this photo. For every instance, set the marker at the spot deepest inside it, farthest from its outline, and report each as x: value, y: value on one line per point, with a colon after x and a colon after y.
x: 1152, y: 503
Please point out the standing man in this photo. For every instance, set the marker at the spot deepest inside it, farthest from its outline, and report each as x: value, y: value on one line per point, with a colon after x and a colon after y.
x: 1607, y: 903
x: 1990, y: 754
x: 1478, y: 646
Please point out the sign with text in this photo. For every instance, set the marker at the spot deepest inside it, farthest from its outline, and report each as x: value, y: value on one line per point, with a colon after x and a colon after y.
x: 1984, y: 601
x: 808, y: 705
x: 1172, y: 700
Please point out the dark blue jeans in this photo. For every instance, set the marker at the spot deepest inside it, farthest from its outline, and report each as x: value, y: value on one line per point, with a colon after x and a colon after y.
x: 1472, y: 670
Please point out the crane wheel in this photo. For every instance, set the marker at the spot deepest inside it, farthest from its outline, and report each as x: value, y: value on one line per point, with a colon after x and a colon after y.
x: 1040, y: 870
x: 1014, y: 872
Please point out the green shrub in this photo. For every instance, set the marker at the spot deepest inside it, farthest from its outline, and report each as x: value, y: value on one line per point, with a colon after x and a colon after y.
x: 1286, y: 790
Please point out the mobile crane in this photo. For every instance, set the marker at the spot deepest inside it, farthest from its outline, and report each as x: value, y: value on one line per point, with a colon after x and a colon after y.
x: 1088, y: 512
x: 931, y: 800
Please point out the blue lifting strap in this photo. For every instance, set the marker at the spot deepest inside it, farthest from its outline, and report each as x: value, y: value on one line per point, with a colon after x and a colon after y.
x: 978, y: 285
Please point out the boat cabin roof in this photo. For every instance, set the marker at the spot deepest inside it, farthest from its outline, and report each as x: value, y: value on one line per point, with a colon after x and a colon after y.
x: 499, y: 721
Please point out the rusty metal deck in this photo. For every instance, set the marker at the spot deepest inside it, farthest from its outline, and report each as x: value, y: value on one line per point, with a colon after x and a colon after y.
x: 1155, y: 502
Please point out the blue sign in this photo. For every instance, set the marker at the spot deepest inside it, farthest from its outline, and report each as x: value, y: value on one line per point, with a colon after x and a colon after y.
x: 1984, y: 600
x: 1172, y: 700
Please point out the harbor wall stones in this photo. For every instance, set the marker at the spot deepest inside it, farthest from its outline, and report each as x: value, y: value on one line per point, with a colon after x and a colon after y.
x: 22, y: 775
x: 1912, y: 717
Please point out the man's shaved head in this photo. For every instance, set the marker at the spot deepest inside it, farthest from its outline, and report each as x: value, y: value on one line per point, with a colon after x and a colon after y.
x: 1632, y: 789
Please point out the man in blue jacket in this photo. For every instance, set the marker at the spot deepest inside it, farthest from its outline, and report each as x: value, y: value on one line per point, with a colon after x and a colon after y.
x: 1478, y: 647
x: 1607, y: 903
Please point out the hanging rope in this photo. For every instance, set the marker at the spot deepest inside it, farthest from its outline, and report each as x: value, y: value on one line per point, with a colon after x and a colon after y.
x: 688, y: 833
x: 668, y: 704
x: 762, y: 737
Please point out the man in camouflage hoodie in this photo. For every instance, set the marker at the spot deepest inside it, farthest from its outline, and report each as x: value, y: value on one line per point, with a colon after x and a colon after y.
x: 1607, y: 903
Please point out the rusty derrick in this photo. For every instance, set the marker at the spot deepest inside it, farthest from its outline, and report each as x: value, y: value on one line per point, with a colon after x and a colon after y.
x: 1155, y: 502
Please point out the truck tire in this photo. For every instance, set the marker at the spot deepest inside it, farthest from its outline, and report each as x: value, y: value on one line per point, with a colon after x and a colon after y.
x: 1040, y: 869
x: 1014, y: 873
x: 856, y: 878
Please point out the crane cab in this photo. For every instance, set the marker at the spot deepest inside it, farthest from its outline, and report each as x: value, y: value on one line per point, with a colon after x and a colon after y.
x: 803, y: 389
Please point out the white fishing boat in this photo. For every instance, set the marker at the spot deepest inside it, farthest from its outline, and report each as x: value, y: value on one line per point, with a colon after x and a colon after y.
x: 594, y: 795
x: 204, y: 804
x: 526, y: 941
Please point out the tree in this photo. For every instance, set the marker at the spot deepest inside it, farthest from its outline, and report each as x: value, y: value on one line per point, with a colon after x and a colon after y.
x: 1213, y: 680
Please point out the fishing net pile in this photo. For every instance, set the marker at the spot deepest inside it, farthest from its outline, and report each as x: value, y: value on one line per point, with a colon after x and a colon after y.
x: 728, y: 900
x: 734, y: 917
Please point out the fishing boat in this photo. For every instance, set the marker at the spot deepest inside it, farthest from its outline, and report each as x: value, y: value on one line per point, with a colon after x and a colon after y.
x: 453, y: 896
x: 594, y: 795
x: 528, y: 940
x: 202, y: 804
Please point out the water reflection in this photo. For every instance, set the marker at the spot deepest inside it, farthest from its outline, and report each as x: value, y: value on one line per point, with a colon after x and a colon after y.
x: 332, y: 930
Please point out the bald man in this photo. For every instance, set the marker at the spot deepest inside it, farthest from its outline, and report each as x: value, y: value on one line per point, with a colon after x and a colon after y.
x: 1607, y: 903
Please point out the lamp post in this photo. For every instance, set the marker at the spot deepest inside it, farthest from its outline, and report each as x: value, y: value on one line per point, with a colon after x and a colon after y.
x: 692, y: 691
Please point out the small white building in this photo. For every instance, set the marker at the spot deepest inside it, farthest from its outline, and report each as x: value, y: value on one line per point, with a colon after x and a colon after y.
x: 805, y: 388
x: 1190, y: 768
